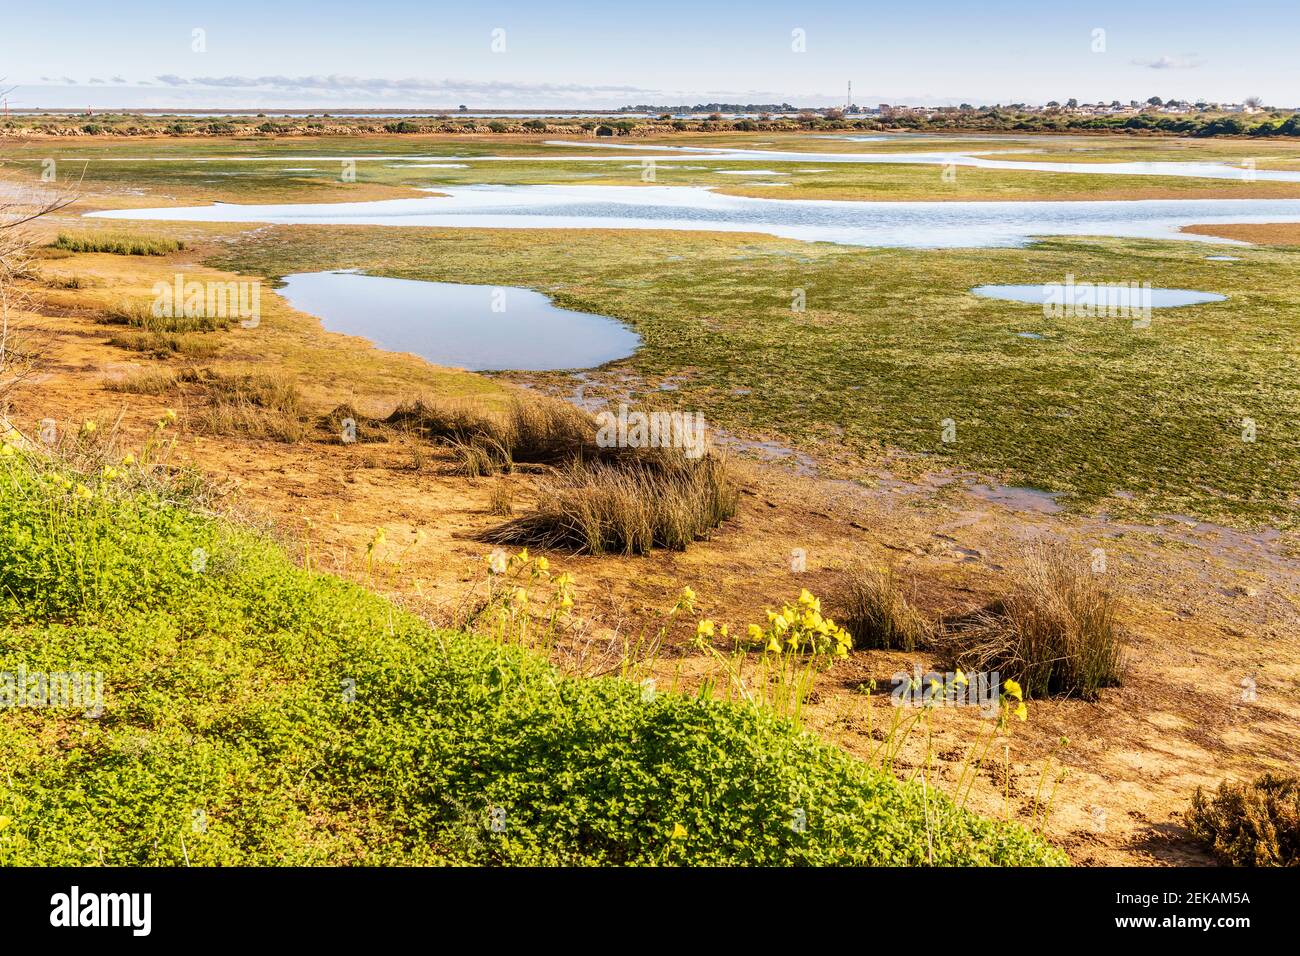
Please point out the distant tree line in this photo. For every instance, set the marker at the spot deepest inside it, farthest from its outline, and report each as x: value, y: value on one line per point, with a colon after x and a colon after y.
x: 1276, y: 124
x: 1015, y: 118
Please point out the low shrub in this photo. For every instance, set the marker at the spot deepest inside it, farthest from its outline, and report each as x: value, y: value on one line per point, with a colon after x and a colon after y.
x: 1250, y: 824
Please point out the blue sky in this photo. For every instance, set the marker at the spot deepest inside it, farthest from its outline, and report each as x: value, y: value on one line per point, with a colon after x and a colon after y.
x: 397, y: 53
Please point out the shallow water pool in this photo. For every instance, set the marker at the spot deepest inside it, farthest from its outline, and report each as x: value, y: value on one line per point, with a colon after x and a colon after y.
x: 1124, y: 296
x: 477, y: 327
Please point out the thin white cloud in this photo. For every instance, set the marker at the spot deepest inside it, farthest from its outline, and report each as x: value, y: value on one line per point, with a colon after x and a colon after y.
x: 335, y: 83
x: 1166, y: 62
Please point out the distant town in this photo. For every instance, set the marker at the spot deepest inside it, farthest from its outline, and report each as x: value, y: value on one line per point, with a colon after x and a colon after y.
x: 1071, y: 107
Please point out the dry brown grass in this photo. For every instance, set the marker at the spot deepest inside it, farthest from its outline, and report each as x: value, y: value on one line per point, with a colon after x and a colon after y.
x: 538, y: 431
x: 627, y: 508
x: 440, y: 421
x: 501, y: 500
x: 117, y: 243
x: 149, y: 381
x: 165, y: 344
x: 252, y: 406
x: 61, y: 281
x: 1054, y: 630
x: 875, y: 607
x: 140, y: 315
x: 1250, y: 824
x: 479, y: 457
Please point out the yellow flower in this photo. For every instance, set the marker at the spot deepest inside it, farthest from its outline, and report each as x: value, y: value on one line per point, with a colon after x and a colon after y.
x: 519, y: 597
x: 88, y: 427
x: 83, y: 492
x: 960, y: 680
x: 128, y: 459
x: 704, y: 629
x: 755, y: 632
x: 1012, y: 689
x: 169, y: 416
x: 6, y: 451
x: 774, y: 645
x: 723, y: 630
x: 1021, y: 712
x: 686, y: 601
x: 679, y: 832
x: 109, y: 473
x: 5, y: 821
x: 543, y: 565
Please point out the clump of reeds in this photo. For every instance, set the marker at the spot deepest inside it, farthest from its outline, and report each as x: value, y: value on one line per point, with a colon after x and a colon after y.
x: 140, y: 315
x: 164, y: 344
x: 1054, y: 630
x: 116, y: 243
x: 875, y: 606
x: 255, y: 406
x: 629, y: 508
x: 501, y: 500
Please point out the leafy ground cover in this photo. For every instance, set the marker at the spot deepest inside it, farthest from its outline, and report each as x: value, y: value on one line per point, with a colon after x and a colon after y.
x: 255, y: 712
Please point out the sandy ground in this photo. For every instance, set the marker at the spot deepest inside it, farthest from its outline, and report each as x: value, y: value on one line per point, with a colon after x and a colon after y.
x: 1264, y: 234
x: 1209, y: 613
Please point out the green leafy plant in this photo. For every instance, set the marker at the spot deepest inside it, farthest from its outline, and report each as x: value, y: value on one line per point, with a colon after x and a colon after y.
x: 258, y: 713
